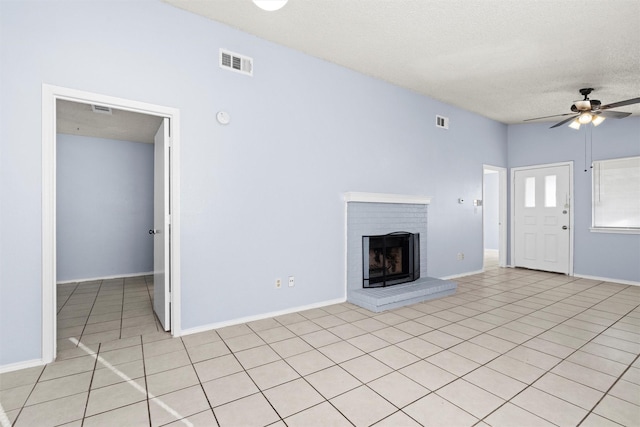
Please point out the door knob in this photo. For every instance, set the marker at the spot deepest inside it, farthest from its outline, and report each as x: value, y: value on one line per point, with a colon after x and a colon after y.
x: 564, y: 227
x: 152, y: 231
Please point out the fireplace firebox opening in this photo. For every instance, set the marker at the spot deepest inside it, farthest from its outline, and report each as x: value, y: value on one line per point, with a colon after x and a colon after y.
x: 390, y: 259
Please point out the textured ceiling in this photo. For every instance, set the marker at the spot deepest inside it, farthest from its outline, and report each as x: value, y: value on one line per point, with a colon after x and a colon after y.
x: 75, y: 118
x: 504, y: 59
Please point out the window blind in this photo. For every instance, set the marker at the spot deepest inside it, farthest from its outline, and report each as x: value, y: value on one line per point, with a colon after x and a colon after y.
x: 616, y: 193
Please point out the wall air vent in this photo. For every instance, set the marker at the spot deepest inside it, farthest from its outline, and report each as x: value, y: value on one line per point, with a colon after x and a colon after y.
x: 234, y: 62
x: 442, y: 122
x: 101, y: 109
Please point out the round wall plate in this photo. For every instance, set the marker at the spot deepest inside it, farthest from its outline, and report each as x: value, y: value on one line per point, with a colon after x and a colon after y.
x: 223, y: 117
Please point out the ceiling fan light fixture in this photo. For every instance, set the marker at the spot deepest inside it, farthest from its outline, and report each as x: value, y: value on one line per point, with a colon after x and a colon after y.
x: 587, y: 111
x: 575, y: 124
x: 597, y: 120
x: 585, y: 118
x: 270, y: 5
x: 583, y: 105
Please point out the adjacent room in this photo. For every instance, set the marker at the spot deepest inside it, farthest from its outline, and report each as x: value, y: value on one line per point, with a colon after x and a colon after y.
x: 336, y: 212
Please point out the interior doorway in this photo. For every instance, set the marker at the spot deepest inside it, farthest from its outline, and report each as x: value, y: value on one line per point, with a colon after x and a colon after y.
x: 494, y: 213
x: 50, y: 97
x: 104, y: 192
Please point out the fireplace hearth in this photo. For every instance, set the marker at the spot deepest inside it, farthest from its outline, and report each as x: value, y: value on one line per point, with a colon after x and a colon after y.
x: 390, y: 259
x: 389, y: 279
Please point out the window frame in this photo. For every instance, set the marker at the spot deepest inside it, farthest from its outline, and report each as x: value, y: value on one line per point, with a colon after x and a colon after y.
x: 605, y: 229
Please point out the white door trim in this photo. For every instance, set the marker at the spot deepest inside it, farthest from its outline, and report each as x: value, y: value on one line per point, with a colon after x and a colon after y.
x: 502, y: 212
x: 50, y: 94
x: 512, y: 207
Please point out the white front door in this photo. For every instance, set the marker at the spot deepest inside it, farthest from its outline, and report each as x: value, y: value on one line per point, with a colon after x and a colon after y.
x: 161, y: 227
x: 542, y: 216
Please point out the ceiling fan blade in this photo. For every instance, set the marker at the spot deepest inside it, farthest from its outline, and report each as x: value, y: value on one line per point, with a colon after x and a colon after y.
x: 621, y: 103
x: 614, y: 114
x: 548, y: 117
x: 564, y: 121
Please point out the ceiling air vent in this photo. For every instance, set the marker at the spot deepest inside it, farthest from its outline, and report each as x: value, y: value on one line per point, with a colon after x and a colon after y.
x: 442, y: 122
x: 234, y: 62
x: 101, y: 109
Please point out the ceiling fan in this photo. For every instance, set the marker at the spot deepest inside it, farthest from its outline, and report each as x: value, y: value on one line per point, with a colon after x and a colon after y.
x: 590, y: 111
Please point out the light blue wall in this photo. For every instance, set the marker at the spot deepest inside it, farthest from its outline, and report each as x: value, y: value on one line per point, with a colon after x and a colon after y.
x: 104, y: 207
x: 491, y: 207
x: 613, y: 256
x: 265, y: 190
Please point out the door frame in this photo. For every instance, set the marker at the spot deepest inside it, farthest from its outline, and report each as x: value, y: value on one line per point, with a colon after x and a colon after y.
x: 502, y: 213
x: 50, y: 94
x: 512, y: 242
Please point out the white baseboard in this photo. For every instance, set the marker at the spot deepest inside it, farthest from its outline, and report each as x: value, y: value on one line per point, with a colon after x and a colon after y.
x: 21, y: 365
x: 607, y: 279
x: 455, y: 276
x: 247, y: 319
x: 581, y: 276
x: 115, y: 276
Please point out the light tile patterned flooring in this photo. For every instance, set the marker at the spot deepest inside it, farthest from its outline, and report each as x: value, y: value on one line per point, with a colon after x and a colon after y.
x: 105, y: 310
x: 511, y: 348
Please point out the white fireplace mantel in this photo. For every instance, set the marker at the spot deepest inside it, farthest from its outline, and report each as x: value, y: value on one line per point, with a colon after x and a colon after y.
x: 354, y: 196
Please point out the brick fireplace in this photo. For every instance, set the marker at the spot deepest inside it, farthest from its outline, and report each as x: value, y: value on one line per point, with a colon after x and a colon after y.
x: 380, y: 214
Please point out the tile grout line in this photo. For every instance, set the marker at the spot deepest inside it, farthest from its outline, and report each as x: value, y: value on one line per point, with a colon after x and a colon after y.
x: 146, y: 382
x: 408, y: 319
x: 565, y: 358
x: 363, y: 384
x: 401, y: 409
x: 304, y: 377
x: 206, y: 396
x: 252, y: 380
x: 29, y: 395
x: 133, y: 384
x: 84, y: 327
x: 606, y: 393
x: 149, y: 294
x: 67, y: 300
x: 93, y: 373
x: 497, y: 326
x: 124, y: 290
x: 567, y: 293
x: 552, y: 302
x: 562, y: 359
x: 283, y: 359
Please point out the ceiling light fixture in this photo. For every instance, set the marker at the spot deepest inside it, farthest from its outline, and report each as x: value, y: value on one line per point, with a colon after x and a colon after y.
x: 270, y: 5
x: 583, y: 105
x: 585, y: 118
x: 597, y: 120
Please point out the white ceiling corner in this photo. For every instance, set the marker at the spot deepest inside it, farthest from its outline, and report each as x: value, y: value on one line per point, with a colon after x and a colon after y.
x: 503, y: 59
x: 506, y: 60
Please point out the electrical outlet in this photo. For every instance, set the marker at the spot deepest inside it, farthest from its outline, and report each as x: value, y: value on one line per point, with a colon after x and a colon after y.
x: 291, y: 281
x: 278, y: 283
x: 460, y: 256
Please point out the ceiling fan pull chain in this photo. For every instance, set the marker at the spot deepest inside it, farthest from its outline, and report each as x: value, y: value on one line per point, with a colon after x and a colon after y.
x: 591, y: 155
x: 585, y: 150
